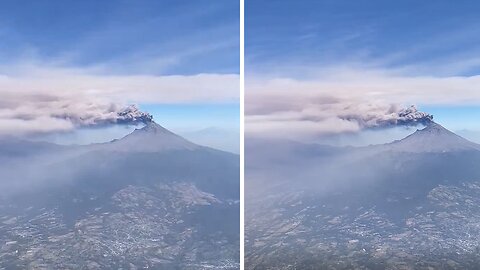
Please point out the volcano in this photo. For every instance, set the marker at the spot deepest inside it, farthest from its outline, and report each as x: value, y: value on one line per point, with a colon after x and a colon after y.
x: 151, y: 138
x: 433, y: 138
x: 409, y: 204
x: 151, y: 199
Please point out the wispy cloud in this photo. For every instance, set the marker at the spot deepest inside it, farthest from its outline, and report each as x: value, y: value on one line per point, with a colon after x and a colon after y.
x: 434, y: 38
x: 145, y: 37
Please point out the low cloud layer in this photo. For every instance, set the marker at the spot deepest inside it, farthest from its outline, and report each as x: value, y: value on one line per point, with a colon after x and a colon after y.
x: 348, y: 101
x: 41, y: 100
x: 328, y: 115
x: 29, y: 114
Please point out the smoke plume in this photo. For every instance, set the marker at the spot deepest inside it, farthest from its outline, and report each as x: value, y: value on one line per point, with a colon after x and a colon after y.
x: 24, y: 114
x: 105, y: 115
x: 295, y: 117
x: 394, y: 116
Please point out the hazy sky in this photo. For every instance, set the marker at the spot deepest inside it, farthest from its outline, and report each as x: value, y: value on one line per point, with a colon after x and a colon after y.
x: 362, y: 56
x: 80, y: 57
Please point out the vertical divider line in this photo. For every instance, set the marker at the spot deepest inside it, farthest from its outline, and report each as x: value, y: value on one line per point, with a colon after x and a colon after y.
x: 242, y: 134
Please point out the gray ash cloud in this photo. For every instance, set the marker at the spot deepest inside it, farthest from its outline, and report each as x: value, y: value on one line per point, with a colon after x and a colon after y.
x: 132, y: 115
x: 23, y: 114
x: 393, y: 116
x: 296, y: 117
x: 411, y: 116
x: 107, y: 115
x: 129, y: 115
x: 103, y: 115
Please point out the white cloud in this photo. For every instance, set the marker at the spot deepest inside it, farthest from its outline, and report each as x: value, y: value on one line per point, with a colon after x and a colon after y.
x: 36, y: 99
x: 346, y: 100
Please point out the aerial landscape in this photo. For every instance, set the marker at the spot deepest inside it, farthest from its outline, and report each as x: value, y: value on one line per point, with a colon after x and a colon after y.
x: 119, y: 135
x: 149, y: 200
x: 409, y: 204
x: 362, y: 135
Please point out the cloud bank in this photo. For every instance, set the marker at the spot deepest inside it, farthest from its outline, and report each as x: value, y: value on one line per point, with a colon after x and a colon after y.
x: 49, y: 114
x: 40, y: 100
x: 344, y: 100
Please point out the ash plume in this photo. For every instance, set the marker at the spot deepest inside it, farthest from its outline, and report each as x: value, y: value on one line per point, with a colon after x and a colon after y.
x: 24, y: 114
x: 411, y: 116
x: 132, y: 115
x: 103, y: 115
x: 129, y: 115
x: 394, y: 116
x: 294, y: 117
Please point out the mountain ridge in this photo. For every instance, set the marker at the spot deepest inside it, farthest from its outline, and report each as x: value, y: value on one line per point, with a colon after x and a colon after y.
x: 151, y: 138
x: 433, y: 138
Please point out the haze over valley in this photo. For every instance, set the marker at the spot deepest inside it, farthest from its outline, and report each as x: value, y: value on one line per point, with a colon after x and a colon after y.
x: 151, y: 199
x: 408, y: 204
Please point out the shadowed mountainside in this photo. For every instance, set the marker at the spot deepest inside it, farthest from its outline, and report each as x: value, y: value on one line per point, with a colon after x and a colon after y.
x: 151, y: 199
x: 409, y: 204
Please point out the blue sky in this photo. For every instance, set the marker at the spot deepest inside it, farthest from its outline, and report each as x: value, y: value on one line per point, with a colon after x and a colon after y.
x: 383, y: 33
x: 107, y: 49
x: 196, y: 116
x: 128, y: 36
x: 425, y: 53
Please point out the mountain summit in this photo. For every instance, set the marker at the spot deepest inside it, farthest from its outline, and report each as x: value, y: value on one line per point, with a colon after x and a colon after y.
x: 151, y: 138
x: 153, y: 127
x: 433, y: 138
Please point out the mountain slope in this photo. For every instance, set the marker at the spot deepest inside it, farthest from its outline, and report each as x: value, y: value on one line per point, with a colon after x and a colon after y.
x: 149, y: 200
x: 151, y: 138
x: 433, y: 138
x: 410, y: 204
